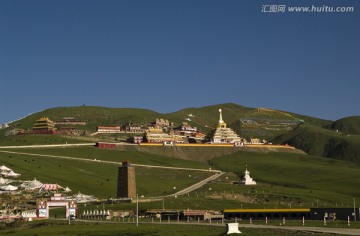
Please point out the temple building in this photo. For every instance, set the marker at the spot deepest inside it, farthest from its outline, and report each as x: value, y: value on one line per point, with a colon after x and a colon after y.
x: 43, y: 125
x: 247, y: 180
x: 223, y: 134
x: 156, y: 135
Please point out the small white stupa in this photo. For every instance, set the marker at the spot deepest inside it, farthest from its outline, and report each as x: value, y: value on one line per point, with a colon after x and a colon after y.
x: 247, y: 180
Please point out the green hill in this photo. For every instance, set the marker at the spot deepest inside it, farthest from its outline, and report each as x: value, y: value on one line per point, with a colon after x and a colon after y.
x: 93, y: 116
x: 205, y: 118
x: 304, y: 132
x: 247, y: 122
x: 323, y: 142
x: 347, y: 125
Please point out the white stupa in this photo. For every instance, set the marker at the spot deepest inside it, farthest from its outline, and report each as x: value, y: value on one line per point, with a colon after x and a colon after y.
x: 247, y: 180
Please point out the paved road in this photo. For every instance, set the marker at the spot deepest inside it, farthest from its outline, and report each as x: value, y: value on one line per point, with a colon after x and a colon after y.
x: 197, y: 185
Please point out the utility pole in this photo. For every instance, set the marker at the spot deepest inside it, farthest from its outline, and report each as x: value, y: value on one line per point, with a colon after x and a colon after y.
x: 137, y: 210
x: 354, y: 211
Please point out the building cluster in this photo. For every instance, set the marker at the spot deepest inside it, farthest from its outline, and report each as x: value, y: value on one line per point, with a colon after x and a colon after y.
x: 159, y: 131
x: 44, y: 125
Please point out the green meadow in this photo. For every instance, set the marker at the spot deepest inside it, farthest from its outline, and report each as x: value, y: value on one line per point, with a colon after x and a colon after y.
x: 51, y: 227
x: 284, y: 179
x: 98, y: 178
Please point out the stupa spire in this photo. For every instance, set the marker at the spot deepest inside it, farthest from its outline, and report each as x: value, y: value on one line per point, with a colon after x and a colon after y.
x: 220, y: 116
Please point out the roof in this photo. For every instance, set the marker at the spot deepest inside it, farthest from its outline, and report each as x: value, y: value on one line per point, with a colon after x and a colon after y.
x: 51, y: 187
x: 266, y: 210
x: 108, y: 127
x: 4, y: 168
x: 9, y: 188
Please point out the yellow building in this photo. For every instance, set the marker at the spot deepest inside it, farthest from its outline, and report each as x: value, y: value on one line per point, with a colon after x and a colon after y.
x: 43, y: 125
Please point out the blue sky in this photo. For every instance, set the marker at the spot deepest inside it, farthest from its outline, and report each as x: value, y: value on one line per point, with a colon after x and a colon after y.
x: 166, y: 55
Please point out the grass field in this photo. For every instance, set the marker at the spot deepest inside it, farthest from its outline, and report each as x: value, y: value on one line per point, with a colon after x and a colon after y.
x: 284, y: 179
x: 133, y: 156
x: 97, y: 178
x: 79, y: 228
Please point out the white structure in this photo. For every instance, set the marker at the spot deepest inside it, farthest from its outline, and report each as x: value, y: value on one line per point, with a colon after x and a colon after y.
x: 247, y: 180
x: 233, y: 228
x: 108, y: 129
x: 31, y: 185
x: 223, y: 134
x: 29, y: 214
x: 9, y: 188
x: 67, y: 189
x: 82, y: 198
x: 4, y: 168
x: 11, y: 174
x: 4, y: 181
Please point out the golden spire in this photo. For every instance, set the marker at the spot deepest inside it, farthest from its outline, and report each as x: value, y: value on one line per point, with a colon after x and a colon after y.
x: 221, y: 123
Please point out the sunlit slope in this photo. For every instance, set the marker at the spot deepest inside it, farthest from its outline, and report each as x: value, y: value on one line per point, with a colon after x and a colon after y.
x: 347, y: 125
x: 323, y: 142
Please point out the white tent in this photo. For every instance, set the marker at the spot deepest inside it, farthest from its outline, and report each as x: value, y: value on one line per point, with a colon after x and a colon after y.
x: 9, y: 188
x: 4, y: 181
x: 11, y: 174
x: 4, y: 168
x: 32, y: 184
x: 67, y: 189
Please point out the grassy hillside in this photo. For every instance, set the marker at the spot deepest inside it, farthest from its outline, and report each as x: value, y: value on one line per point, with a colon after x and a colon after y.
x: 205, y: 118
x: 348, y: 125
x: 99, y: 178
x: 322, y: 142
x: 209, y: 115
x: 55, y: 228
x: 304, y: 132
x: 283, y: 178
x: 93, y: 116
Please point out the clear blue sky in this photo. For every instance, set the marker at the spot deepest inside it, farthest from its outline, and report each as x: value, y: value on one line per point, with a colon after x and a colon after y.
x: 166, y: 55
